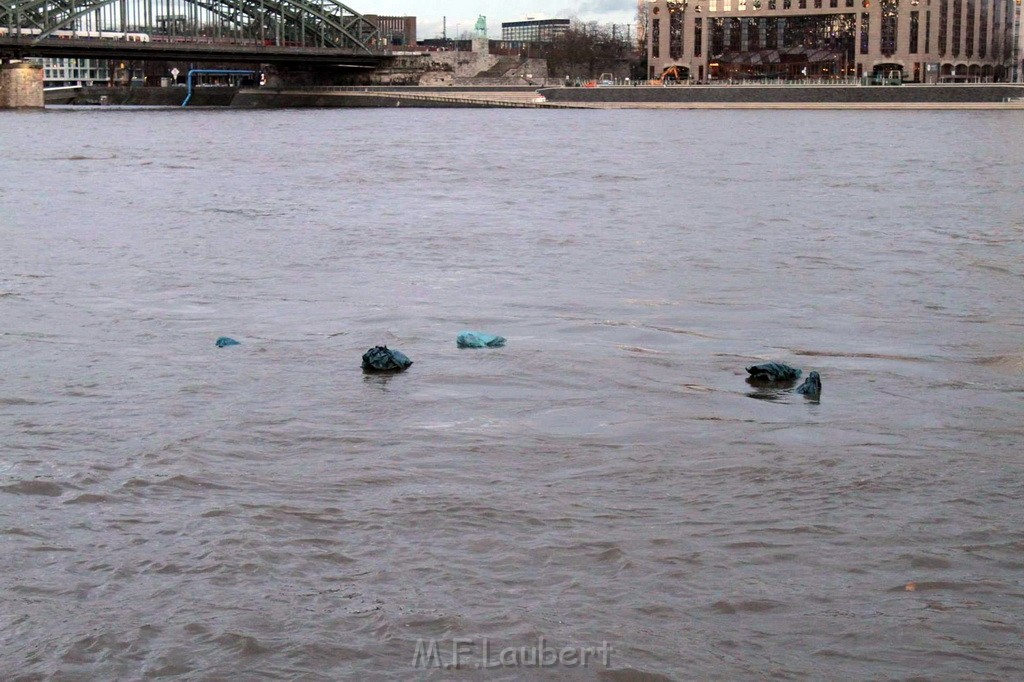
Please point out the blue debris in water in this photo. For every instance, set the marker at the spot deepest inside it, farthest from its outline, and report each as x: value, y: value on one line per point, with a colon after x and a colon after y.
x: 479, y: 340
x: 226, y: 341
x: 773, y: 371
x: 384, y: 359
x: 811, y: 386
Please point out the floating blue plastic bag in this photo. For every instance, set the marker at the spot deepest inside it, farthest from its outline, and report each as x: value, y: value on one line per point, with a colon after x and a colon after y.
x: 479, y: 340
x: 226, y: 341
x: 811, y: 386
x: 773, y: 371
x: 384, y: 359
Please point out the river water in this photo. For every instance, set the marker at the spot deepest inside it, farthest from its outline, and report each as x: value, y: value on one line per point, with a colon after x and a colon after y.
x: 267, y: 511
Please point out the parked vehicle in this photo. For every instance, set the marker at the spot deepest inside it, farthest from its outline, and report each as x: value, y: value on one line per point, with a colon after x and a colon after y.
x: 672, y: 74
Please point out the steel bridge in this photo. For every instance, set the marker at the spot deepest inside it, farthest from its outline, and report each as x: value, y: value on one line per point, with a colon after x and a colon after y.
x: 266, y: 31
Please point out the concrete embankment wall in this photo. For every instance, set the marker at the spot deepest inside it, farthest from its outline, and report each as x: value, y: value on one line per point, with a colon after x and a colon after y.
x: 840, y: 94
x: 152, y: 97
x: 353, y: 96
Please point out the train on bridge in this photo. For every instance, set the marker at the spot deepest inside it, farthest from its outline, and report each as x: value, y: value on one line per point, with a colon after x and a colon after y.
x: 16, y: 32
x: 138, y: 37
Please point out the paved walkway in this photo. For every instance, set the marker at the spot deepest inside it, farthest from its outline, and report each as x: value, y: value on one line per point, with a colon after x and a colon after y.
x: 534, y: 100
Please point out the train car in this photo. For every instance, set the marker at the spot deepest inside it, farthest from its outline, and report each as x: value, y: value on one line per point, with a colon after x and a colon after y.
x: 63, y: 34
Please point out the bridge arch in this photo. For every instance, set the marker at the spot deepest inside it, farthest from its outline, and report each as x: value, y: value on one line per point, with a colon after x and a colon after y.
x: 302, y: 23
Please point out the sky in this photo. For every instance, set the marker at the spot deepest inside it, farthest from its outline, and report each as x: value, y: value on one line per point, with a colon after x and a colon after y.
x: 462, y: 14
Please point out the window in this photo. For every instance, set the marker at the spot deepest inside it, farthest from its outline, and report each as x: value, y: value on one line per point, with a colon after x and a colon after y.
x: 751, y: 28
x: 914, y: 21
x: 698, y: 34
x: 716, y: 36
x: 656, y: 38
x: 865, y: 29
x: 997, y: 33
x: 983, y: 35
x: 943, y: 21
x: 995, y: 30
x: 958, y: 6
x: 969, y: 33
x: 1008, y: 29
x: 927, y: 30
x: 771, y: 38
x: 675, y: 32
x: 802, y: 4
x: 833, y: 37
x: 890, y: 32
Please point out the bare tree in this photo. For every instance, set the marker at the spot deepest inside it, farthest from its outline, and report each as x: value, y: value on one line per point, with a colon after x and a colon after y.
x: 586, y: 50
x: 643, y: 14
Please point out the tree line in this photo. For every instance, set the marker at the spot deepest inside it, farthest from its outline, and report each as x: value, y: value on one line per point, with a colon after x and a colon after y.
x: 588, y: 49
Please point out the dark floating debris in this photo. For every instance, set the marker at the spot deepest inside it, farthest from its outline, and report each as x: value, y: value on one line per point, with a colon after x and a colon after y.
x: 811, y: 386
x: 479, y: 340
x: 773, y: 371
x: 384, y: 359
x: 226, y: 341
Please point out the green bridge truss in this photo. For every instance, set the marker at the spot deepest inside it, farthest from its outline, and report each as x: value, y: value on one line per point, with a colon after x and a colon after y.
x: 282, y: 23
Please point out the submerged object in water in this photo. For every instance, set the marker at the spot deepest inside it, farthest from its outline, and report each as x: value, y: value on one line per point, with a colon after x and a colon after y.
x: 479, y: 340
x: 773, y: 371
x: 384, y: 359
x: 226, y: 341
x: 811, y: 386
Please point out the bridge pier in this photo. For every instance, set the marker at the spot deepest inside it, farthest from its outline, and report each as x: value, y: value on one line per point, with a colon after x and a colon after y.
x: 21, y: 86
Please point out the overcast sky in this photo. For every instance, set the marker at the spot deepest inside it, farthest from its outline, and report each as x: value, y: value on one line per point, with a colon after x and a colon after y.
x: 462, y: 14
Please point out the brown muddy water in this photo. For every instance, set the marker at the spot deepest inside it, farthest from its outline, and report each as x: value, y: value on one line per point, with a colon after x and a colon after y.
x: 267, y: 511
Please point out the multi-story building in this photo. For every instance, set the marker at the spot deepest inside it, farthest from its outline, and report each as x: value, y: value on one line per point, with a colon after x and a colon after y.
x: 395, y: 30
x: 926, y: 41
x: 67, y: 72
x: 534, y: 30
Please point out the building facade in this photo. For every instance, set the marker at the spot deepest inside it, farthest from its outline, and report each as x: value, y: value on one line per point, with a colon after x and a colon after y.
x: 925, y: 41
x: 395, y: 30
x: 63, y: 72
x: 534, y: 30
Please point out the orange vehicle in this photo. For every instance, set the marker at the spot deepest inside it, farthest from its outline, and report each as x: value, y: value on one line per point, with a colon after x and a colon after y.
x: 671, y: 75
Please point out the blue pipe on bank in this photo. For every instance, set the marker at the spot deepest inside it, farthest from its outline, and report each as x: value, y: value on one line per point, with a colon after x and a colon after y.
x: 218, y: 72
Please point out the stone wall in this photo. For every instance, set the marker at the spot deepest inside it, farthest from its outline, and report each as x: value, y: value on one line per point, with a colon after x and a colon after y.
x: 435, y: 68
x: 21, y: 86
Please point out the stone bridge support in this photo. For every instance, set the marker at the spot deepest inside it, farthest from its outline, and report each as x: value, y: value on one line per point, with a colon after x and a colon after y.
x: 21, y: 86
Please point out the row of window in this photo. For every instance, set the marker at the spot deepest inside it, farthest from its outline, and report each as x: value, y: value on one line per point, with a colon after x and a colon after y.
x: 832, y: 32
x: 742, y: 5
x: 541, y: 34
